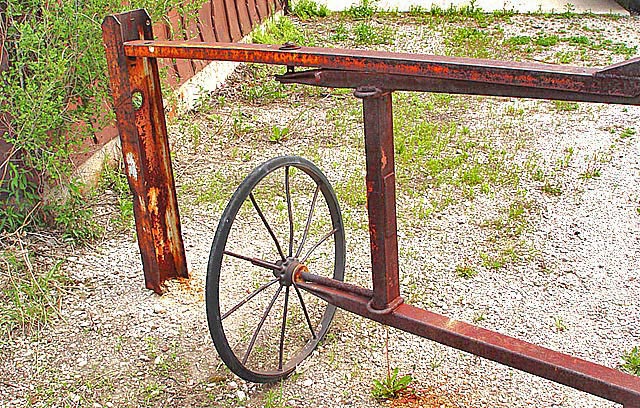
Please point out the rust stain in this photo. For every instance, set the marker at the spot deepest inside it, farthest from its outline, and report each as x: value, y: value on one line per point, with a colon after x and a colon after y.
x: 153, y: 200
x: 370, y: 187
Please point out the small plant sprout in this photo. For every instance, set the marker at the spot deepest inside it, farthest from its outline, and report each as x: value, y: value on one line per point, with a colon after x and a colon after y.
x: 389, y: 387
x: 479, y: 317
x: 559, y: 324
x: 590, y: 173
x: 627, y: 132
x: 551, y: 188
x: 278, y: 134
x: 631, y: 360
x: 466, y: 271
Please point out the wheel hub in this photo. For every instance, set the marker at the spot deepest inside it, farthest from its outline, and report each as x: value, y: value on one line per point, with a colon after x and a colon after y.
x: 290, y: 270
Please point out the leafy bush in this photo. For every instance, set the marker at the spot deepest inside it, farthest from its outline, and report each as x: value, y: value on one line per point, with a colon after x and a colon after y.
x: 57, y: 79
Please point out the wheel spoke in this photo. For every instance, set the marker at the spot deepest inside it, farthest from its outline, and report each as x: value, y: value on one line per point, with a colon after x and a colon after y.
x: 324, y: 238
x: 284, y: 327
x: 266, y: 224
x: 287, y: 189
x: 309, y: 217
x: 304, y: 309
x: 248, y: 298
x: 255, y: 333
x: 255, y: 261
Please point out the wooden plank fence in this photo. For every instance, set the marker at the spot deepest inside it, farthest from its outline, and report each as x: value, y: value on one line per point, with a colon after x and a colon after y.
x: 217, y: 20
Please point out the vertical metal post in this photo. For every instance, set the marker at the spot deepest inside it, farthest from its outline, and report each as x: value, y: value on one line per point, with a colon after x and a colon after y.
x: 145, y: 149
x: 381, y: 196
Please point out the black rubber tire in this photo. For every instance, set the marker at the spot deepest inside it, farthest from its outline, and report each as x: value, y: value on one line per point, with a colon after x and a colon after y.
x: 216, y: 269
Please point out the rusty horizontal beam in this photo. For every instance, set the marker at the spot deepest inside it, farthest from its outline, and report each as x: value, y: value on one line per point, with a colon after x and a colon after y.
x: 352, y: 79
x: 574, y: 372
x: 619, y: 80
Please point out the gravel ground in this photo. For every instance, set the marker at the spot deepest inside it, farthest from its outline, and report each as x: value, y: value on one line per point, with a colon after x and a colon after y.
x: 568, y: 279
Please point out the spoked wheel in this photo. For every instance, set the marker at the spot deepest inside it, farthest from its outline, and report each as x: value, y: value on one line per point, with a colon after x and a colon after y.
x: 282, y: 220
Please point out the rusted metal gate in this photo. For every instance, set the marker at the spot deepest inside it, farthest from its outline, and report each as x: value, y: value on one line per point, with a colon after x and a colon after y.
x: 132, y: 55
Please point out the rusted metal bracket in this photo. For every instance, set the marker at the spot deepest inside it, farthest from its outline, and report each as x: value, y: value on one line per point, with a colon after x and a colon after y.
x: 145, y: 149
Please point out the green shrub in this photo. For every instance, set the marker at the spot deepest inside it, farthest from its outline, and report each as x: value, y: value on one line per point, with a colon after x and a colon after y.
x: 305, y: 9
x: 632, y: 361
x: 57, y: 78
x: 364, y: 9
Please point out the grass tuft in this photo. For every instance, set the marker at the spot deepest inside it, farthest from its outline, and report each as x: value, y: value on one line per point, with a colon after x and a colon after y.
x: 28, y: 299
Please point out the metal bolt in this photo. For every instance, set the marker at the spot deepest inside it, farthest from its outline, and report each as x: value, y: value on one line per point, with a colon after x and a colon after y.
x: 290, y: 46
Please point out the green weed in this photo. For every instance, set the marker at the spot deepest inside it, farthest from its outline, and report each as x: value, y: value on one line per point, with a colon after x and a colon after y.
x: 264, y: 92
x: 466, y: 271
x: 551, y: 188
x: 211, y: 190
x: 566, y: 57
x: 559, y: 324
x: 27, y: 299
x: 366, y: 34
x: 74, y: 218
x: 471, y: 42
x: 20, y: 196
x: 470, y: 11
x: 492, y: 261
x: 391, y: 385
x: 518, y: 40
x: 592, y: 171
x: 280, y: 31
x: 416, y: 10
x: 340, y: 33
x: 565, y: 106
x: 547, y: 41
x: 627, y: 132
x: 479, y: 317
x: 363, y: 10
x: 152, y: 391
x: 632, y: 361
x: 306, y: 9
x: 275, y: 398
x: 278, y: 134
